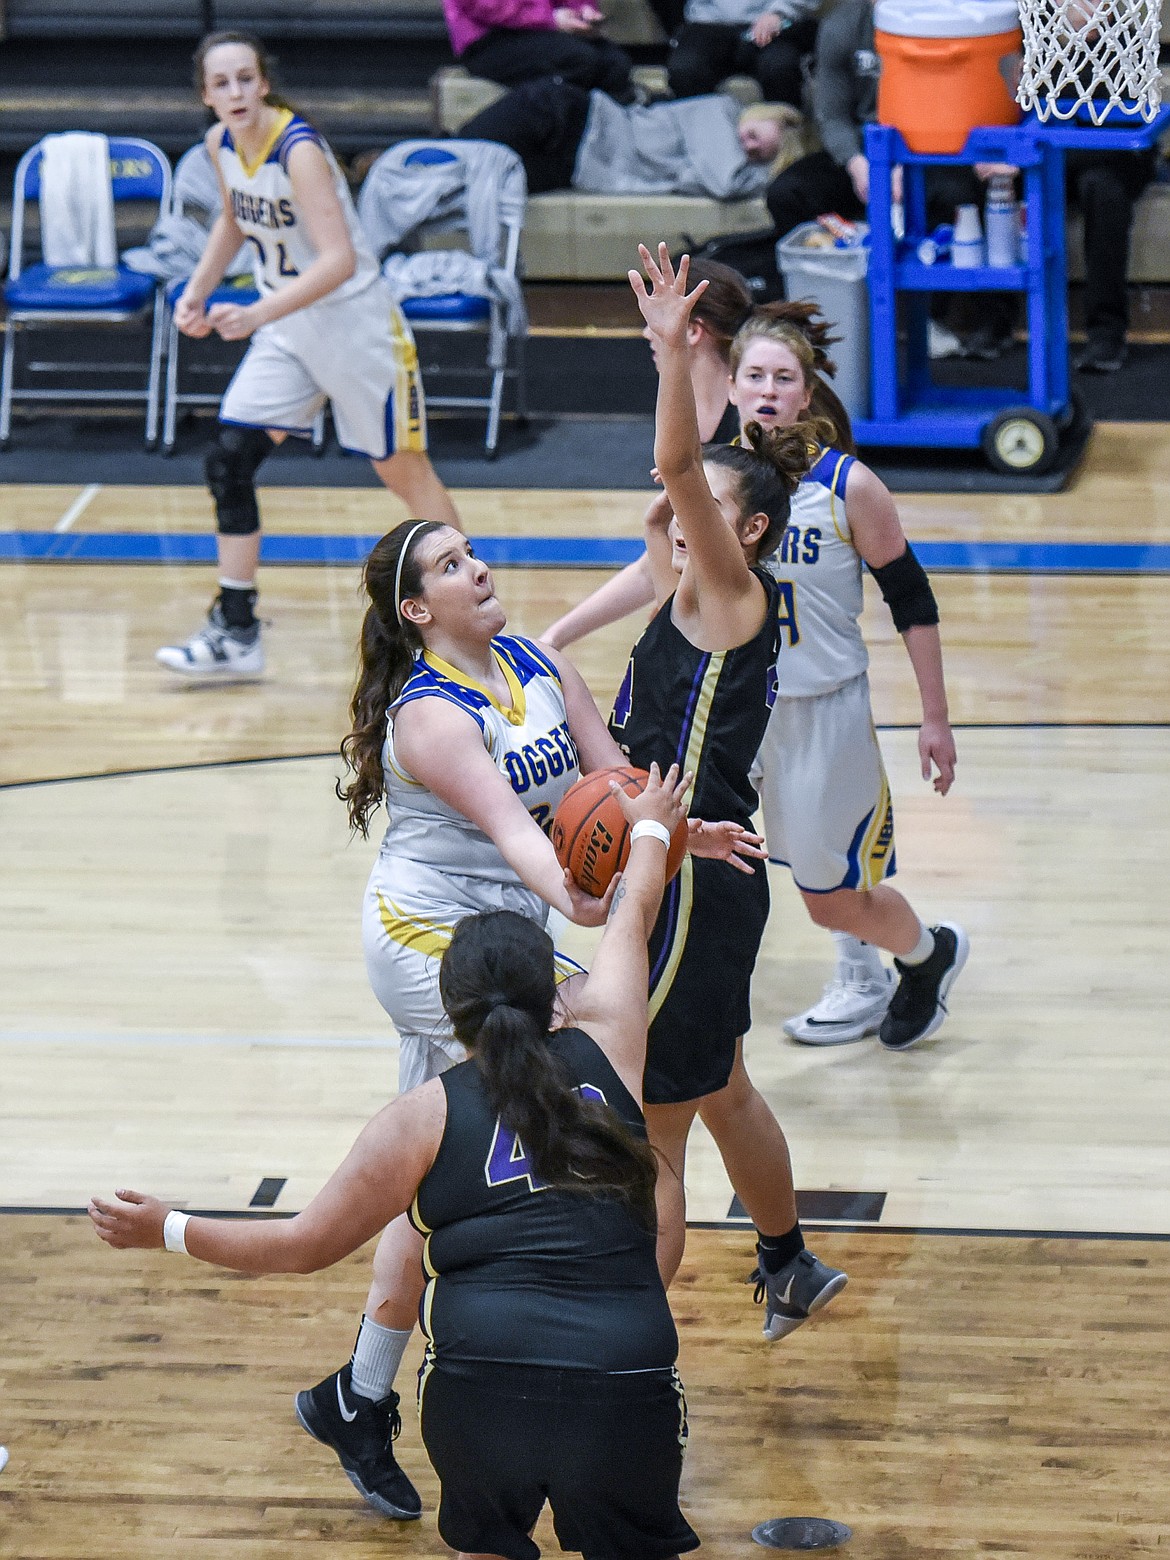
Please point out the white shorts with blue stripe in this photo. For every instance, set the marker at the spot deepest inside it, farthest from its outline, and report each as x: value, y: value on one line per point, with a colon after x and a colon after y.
x: 824, y: 795
x: 357, y: 353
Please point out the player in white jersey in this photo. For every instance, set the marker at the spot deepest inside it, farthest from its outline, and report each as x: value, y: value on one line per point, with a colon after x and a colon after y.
x: 325, y: 327
x: 472, y: 737
x: 823, y: 787
x: 822, y: 784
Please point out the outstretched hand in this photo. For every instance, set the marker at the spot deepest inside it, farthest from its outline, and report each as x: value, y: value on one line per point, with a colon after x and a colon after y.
x: 726, y: 841
x: 663, y: 798
x: 667, y: 307
x: 134, y: 1220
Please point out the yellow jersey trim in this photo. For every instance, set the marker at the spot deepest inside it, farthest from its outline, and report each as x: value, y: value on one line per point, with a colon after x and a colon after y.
x: 515, y: 713
x: 284, y: 119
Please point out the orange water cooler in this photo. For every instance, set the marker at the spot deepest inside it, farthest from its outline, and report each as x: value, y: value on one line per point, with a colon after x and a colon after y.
x: 943, y: 66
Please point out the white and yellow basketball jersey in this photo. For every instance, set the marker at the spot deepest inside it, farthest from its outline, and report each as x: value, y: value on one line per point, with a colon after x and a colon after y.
x: 267, y: 213
x: 818, y: 570
x: 528, y: 741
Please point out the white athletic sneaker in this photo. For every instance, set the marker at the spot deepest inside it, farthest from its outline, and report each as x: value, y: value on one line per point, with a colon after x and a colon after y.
x: 852, y: 1006
x: 216, y: 652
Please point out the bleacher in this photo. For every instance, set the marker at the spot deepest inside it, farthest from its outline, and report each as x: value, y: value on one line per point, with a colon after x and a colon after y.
x: 386, y: 73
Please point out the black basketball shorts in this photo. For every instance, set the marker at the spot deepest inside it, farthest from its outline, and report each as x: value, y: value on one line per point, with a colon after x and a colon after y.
x: 605, y: 1451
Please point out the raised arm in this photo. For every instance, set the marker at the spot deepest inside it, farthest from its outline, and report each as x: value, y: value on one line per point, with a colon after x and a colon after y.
x: 375, y: 1183
x: 612, y: 1003
x: 879, y: 538
x: 441, y: 746
x: 718, y: 566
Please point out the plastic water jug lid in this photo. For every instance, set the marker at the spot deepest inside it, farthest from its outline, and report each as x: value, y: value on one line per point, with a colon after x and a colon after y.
x: 946, y: 18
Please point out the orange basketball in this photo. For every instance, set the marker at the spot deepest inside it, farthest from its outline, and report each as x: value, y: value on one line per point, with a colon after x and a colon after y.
x: 591, y: 836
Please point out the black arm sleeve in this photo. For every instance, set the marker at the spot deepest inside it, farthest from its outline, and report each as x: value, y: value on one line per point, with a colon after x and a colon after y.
x: 906, y: 590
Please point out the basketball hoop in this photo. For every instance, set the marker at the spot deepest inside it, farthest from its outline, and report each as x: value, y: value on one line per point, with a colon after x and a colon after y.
x: 1099, y: 55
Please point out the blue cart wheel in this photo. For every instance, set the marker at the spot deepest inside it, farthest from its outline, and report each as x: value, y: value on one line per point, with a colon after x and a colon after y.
x: 1021, y: 441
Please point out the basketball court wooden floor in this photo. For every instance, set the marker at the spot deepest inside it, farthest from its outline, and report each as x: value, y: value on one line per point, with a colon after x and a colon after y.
x: 185, y: 1010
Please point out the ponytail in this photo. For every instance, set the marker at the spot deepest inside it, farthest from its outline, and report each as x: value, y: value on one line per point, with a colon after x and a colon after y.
x: 386, y: 650
x: 498, y: 986
x: 769, y: 467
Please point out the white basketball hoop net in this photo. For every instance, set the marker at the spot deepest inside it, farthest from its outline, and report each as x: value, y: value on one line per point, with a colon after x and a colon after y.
x: 1094, y: 54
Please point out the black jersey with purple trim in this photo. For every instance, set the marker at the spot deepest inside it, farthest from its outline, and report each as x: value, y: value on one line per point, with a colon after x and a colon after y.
x: 522, y: 1273
x: 704, y: 710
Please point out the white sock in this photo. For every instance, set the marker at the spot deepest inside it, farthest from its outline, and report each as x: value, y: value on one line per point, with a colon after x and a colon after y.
x: 852, y: 951
x: 377, y: 1354
x: 226, y: 584
x: 921, y: 950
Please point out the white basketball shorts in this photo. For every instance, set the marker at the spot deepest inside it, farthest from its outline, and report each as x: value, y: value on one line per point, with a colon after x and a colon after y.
x: 823, y: 790
x: 408, y: 916
x: 357, y: 353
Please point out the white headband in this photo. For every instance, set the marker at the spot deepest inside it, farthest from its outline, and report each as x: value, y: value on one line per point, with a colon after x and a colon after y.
x: 411, y: 534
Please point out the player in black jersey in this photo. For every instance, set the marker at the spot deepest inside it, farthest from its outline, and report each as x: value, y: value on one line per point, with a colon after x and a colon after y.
x: 698, y: 691
x: 549, y: 1371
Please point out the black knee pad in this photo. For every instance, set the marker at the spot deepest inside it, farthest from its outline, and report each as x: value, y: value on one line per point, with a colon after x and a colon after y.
x: 231, y: 466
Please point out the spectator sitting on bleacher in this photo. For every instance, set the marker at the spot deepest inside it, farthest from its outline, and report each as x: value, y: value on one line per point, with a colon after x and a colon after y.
x: 513, y: 41
x: 566, y: 138
x: 767, y: 39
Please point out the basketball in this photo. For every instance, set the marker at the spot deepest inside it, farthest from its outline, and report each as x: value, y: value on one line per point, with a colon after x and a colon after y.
x: 591, y: 836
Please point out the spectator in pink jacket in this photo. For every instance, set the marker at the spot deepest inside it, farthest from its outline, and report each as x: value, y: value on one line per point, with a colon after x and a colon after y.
x: 511, y: 41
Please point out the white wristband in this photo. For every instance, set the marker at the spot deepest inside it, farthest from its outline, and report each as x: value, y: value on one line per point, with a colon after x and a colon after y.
x: 175, y: 1231
x: 650, y: 828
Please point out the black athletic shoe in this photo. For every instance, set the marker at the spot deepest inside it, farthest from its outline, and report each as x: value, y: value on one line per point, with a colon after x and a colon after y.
x: 919, y: 1005
x: 361, y: 1433
x: 1103, y: 353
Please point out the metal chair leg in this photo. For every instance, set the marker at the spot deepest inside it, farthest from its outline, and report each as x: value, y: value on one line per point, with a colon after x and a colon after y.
x: 6, y: 382
x: 171, y: 389
x: 154, y: 376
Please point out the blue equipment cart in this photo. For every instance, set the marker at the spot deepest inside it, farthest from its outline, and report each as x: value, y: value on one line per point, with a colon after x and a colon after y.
x: 1018, y: 434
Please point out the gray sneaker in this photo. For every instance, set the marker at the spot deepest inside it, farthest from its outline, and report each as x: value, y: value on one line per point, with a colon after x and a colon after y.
x: 801, y: 1287
x: 216, y: 653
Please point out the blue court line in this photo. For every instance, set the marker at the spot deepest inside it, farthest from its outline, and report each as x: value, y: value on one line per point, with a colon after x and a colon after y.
x: 563, y: 552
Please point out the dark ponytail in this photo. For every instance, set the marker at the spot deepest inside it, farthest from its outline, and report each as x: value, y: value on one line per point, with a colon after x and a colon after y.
x: 386, y: 652
x: 724, y: 306
x: 265, y: 63
x: 498, y: 986
x: 769, y: 467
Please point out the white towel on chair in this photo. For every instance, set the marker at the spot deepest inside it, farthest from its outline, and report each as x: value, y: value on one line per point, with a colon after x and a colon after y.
x: 77, y: 201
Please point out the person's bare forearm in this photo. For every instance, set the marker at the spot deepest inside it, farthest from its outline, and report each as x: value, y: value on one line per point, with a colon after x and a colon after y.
x: 924, y: 647
x: 609, y: 603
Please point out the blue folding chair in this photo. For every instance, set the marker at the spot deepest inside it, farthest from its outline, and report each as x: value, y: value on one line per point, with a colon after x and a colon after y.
x: 43, y: 298
x: 457, y: 313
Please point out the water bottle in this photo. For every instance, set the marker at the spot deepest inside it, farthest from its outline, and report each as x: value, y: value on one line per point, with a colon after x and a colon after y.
x: 1002, y: 221
x: 967, y: 249
x: 936, y: 248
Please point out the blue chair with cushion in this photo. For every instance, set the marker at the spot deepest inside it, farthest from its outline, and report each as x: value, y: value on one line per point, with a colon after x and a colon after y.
x: 44, y: 299
x: 457, y: 164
